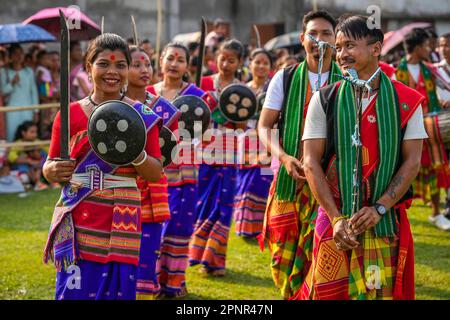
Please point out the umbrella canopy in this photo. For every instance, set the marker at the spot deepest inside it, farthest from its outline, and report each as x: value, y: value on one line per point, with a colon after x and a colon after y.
x: 81, y: 26
x: 393, y: 38
x: 284, y: 41
x: 19, y: 33
x: 186, y: 38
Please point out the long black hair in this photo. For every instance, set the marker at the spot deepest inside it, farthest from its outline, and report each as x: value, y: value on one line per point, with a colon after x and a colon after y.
x: 234, y: 45
x: 356, y: 27
x: 178, y: 45
x: 262, y: 51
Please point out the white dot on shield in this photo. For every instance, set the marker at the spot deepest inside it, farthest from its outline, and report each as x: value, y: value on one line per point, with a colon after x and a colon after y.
x: 184, y: 108
x: 121, y: 146
x: 122, y: 125
x: 100, y: 125
x: 102, y: 148
x: 198, y: 111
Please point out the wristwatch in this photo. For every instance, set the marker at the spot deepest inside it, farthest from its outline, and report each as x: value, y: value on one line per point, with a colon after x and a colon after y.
x: 380, y: 209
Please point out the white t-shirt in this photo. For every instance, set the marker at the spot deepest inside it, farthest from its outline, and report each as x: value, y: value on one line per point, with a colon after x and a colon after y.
x: 414, y: 70
x: 46, y: 76
x: 316, y: 122
x: 443, y: 94
x: 275, y: 91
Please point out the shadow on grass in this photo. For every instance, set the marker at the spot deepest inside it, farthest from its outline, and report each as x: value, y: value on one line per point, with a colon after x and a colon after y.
x: 251, y: 241
x: 239, y: 277
x: 192, y: 296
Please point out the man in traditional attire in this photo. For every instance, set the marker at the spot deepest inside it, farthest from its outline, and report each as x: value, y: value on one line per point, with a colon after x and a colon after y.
x: 442, y: 89
x: 291, y: 208
x: 363, y: 245
x: 434, y: 173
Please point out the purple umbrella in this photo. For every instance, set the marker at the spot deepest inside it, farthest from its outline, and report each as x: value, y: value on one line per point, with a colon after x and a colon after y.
x: 81, y: 26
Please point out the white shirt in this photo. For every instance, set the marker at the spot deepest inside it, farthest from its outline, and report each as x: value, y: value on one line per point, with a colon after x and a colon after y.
x: 414, y: 70
x: 275, y: 91
x: 316, y: 122
x: 443, y: 94
x: 212, y: 39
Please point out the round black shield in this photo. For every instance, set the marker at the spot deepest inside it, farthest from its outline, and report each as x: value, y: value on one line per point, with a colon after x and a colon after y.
x: 237, y: 102
x: 195, y: 114
x: 117, y: 132
x: 259, y: 103
x: 167, y: 143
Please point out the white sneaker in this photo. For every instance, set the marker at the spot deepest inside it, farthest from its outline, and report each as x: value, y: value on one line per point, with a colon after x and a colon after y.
x: 441, y: 222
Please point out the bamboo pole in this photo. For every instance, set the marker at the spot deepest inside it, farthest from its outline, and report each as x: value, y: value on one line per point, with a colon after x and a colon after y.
x: 24, y: 144
x: 33, y: 107
x: 315, y: 6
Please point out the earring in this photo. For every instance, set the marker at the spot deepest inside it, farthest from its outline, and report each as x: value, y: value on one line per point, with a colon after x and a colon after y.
x: 90, y: 78
x: 124, y: 88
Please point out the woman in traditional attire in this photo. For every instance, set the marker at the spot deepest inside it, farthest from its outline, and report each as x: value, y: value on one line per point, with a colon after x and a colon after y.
x: 182, y: 178
x: 252, y: 181
x: 217, y: 175
x: 154, y: 195
x: 95, y: 233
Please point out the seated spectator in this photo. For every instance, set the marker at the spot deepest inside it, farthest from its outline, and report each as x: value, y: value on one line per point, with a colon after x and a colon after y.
x: 28, y: 160
x: 9, y: 183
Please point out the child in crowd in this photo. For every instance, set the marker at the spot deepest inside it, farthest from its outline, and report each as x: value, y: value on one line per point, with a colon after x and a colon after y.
x: 28, y: 160
x: 44, y: 77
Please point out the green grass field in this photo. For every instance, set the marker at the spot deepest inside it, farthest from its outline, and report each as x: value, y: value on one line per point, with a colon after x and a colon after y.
x: 24, y: 225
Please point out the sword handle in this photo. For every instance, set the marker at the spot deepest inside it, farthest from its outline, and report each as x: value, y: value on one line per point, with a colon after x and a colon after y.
x: 61, y: 159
